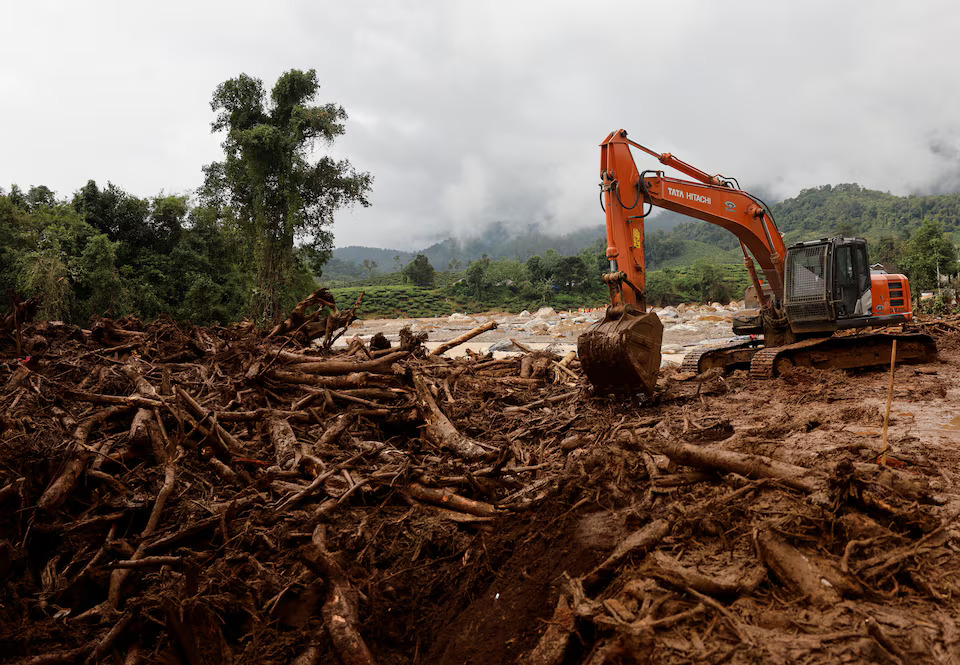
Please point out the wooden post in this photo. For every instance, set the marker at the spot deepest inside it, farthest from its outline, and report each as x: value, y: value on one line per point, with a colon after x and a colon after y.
x: 886, y: 416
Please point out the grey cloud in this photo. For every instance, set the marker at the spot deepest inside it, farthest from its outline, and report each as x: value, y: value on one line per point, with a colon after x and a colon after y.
x: 468, y: 113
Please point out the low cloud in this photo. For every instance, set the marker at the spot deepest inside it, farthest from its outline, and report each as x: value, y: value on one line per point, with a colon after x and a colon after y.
x: 472, y: 113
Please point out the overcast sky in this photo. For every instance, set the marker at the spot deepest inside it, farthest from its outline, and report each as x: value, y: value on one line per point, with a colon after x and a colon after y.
x: 472, y: 112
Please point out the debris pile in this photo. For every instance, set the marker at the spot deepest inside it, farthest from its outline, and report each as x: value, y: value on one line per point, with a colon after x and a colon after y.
x: 185, y: 495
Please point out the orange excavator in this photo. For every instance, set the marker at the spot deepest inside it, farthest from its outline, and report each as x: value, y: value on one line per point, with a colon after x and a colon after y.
x: 810, y: 293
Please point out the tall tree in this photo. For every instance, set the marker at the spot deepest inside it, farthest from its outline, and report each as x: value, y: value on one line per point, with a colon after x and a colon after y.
x: 268, y: 183
x: 930, y: 254
x: 419, y: 271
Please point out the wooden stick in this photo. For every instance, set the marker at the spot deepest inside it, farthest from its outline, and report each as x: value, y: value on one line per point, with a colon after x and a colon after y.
x: 886, y: 415
x: 465, y: 337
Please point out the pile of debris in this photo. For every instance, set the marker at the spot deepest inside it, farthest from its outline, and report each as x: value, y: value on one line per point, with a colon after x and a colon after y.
x: 185, y: 495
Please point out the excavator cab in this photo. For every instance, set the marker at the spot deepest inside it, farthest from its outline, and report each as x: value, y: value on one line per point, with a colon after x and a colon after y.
x: 829, y: 286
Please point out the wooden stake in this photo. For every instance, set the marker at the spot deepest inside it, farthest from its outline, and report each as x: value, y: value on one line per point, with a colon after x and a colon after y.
x: 886, y: 416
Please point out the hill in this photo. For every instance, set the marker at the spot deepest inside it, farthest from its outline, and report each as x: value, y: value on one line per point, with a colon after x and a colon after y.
x: 674, y: 240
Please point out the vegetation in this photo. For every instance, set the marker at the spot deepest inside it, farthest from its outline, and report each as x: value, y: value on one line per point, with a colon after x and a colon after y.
x: 270, y: 189
x: 419, y: 271
x: 107, y: 252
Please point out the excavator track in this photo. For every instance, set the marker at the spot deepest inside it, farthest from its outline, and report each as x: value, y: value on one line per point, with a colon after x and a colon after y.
x: 722, y: 355
x: 847, y: 352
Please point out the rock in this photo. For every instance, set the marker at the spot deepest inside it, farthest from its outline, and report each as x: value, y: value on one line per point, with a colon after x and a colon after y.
x: 535, y: 326
x: 684, y: 327
x: 682, y: 308
x: 671, y: 348
x: 546, y: 313
x: 668, y: 313
x: 502, y: 345
x: 457, y: 317
x: 524, y: 313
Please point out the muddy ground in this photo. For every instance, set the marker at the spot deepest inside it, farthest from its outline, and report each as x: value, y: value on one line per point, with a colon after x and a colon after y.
x: 269, y: 508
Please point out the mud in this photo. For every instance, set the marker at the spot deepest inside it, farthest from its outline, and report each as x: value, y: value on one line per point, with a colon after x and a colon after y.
x: 598, y: 530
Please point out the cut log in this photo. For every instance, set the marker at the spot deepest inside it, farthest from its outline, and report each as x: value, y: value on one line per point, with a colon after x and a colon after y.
x: 340, y: 618
x: 796, y: 570
x: 353, y: 380
x: 65, y: 482
x: 465, y: 337
x: 285, y: 446
x: 381, y: 365
x: 448, y: 499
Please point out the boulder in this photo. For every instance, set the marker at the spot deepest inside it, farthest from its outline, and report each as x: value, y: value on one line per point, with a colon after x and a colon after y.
x: 668, y: 313
x: 546, y: 313
x: 457, y: 317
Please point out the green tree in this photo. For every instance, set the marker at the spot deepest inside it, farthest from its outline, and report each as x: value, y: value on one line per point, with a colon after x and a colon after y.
x: 537, y: 270
x: 709, y: 283
x: 98, y: 272
x: 929, y: 253
x: 370, y: 267
x: 476, y: 272
x: 663, y: 288
x: 419, y: 271
x: 44, y: 272
x: 268, y: 183
x: 571, y: 273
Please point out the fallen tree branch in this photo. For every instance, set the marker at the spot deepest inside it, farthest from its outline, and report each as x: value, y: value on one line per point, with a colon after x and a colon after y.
x: 638, y: 542
x: 440, y: 430
x: 340, y: 619
x: 751, y: 466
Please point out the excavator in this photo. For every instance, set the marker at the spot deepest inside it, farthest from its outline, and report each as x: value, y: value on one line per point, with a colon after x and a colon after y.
x: 812, y: 307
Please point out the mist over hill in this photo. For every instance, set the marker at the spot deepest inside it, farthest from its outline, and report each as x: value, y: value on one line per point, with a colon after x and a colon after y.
x: 497, y: 241
x: 674, y: 240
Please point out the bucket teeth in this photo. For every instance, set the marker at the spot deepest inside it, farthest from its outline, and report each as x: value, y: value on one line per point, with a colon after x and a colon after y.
x: 622, y: 353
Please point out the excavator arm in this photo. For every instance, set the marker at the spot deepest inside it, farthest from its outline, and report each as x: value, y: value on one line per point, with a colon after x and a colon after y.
x: 629, y: 195
x: 623, y: 351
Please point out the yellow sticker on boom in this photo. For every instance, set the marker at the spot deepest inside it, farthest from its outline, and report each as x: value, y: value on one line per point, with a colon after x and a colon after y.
x: 637, y: 238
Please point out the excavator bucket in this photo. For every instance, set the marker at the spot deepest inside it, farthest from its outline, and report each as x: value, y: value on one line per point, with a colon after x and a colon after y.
x: 622, y: 352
